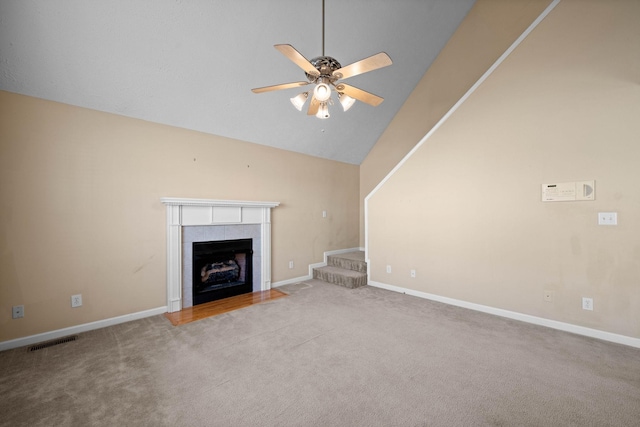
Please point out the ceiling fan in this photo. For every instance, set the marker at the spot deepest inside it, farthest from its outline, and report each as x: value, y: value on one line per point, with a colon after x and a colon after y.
x: 327, y: 74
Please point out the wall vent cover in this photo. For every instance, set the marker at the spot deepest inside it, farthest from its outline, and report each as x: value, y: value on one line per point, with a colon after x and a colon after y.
x: 52, y: 343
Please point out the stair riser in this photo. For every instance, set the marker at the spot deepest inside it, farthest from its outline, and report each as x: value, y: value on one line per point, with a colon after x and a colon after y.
x: 340, y: 280
x: 348, y: 264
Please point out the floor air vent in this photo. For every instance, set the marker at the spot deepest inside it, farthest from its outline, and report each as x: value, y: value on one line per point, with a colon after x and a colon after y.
x: 53, y: 342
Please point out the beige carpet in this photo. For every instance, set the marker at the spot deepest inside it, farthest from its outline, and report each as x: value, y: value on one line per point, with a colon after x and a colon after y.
x: 325, y: 356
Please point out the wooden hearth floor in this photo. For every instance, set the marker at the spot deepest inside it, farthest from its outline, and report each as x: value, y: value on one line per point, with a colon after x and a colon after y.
x: 213, y: 308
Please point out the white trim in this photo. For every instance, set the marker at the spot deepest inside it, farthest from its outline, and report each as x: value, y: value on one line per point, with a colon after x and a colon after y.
x: 446, y: 117
x: 291, y: 281
x: 340, y: 251
x: 177, y: 201
x: 553, y: 324
x: 51, y: 335
x: 316, y: 265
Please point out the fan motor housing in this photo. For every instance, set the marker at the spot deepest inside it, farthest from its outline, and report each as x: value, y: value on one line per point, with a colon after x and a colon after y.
x: 325, y: 65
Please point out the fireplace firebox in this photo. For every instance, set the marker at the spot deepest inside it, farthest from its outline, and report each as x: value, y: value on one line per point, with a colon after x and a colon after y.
x: 221, y: 269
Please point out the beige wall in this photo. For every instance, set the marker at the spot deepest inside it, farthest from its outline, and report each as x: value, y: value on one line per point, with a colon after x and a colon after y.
x: 81, y: 213
x: 465, y: 210
x: 489, y: 28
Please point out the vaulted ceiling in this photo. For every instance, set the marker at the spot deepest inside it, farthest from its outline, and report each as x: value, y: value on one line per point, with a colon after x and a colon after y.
x: 192, y: 64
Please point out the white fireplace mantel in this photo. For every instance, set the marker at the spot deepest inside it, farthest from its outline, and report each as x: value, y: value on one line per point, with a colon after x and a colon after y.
x: 188, y: 212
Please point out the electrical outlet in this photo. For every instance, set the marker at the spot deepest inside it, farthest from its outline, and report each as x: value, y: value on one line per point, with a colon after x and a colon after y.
x: 549, y: 295
x: 76, y: 300
x: 413, y: 273
x: 587, y: 304
x: 17, y: 312
x: 607, y: 218
x: 388, y: 269
x: 291, y: 264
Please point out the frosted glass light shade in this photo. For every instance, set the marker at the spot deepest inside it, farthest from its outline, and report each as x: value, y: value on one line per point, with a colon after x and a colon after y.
x: 323, y: 111
x: 346, y: 101
x: 322, y: 92
x: 298, y: 101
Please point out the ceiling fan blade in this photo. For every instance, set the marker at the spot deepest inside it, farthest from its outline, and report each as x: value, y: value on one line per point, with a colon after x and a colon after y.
x: 314, y: 105
x: 379, y: 60
x: 359, y: 94
x: 278, y: 87
x: 297, y: 58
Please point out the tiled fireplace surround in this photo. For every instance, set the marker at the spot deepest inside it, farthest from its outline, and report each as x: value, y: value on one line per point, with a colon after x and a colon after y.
x: 203, y: 220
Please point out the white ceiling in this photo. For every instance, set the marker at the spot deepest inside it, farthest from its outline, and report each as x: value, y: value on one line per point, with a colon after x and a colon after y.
x: 192, y: 64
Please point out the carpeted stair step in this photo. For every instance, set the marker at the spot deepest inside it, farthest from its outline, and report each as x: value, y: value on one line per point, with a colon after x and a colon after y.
x: 347, y: 269
x: 350, y: 261
x: 340, y: 276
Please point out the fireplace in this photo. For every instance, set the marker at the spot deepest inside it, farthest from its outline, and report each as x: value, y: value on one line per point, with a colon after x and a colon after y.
x: 221, y: 269
x: 204, y: 220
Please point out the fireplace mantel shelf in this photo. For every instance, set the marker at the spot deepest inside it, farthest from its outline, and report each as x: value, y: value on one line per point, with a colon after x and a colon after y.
x: 175, y: 201
x: 209, y: 212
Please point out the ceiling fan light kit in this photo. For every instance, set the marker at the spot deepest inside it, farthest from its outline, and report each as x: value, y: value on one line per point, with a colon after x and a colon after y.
x: 322, y: 92
x: 324, y: 72
x: 323, y: 111
x: 299, y: 100
x: 346, y: 101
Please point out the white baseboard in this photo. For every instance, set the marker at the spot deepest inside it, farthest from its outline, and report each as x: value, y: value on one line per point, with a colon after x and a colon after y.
x: 312, y: 266
x: 291, y: 281
x: 554, y: 324
x: 340, y: 251
x: 46, y: 336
